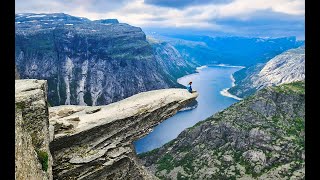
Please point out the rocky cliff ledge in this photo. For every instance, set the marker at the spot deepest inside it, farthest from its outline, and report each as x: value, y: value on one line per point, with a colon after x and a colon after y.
x: 86, y: 142
x: 96, y: 142
x: 32, y: 155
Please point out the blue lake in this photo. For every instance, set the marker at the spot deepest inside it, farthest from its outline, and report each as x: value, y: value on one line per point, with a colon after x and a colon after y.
x: 209, y: 82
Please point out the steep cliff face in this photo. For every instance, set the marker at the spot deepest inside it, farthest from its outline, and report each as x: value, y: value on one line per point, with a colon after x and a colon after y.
x: 261, y: 137
x: 171, y: 60
x: 284, y: 68
x: 33, y: 159
x: 96, y: 142
x: 86, y: 62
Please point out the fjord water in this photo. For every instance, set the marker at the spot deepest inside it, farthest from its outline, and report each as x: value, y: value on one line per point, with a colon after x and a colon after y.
x: 208, y: 82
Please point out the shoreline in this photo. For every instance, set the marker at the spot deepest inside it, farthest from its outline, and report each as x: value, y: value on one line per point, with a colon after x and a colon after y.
x: 227, y: 65
x: 193, y: 74
x: 201, y: 67
x: 225, y: 91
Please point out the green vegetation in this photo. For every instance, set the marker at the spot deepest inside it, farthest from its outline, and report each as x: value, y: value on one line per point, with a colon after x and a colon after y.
x: 299, y: 124
x: 170, y: 143
x: 215, y: 119
x: 166, y: 162
x: 186, y: 162
x: 186, y: 148
x: 36, y: 141
x: 296, y: 127
x: 155, y: 151
x: 149, y: 153
x: 43, y: 158
x: 44, y: 41
x: 294, y: 87
x: 20, y: 105
x: 197, y: 124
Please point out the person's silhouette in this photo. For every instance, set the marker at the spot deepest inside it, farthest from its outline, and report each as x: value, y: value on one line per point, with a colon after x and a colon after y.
x: 189, y: 88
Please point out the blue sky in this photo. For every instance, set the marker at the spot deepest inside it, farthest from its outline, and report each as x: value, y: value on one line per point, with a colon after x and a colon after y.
x: 259, y: 18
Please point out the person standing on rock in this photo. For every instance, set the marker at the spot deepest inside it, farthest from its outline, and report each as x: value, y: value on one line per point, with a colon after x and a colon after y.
x: 189, y: 88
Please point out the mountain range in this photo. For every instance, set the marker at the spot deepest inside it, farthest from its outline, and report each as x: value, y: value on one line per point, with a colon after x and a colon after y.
x: 241, y: 51
x: 90, y: 62
x: 286, y: 67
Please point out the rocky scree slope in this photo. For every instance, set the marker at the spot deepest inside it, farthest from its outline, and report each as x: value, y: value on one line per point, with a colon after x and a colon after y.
x: 86, y: 62
x: 287, y: 67
x: 260, y: 137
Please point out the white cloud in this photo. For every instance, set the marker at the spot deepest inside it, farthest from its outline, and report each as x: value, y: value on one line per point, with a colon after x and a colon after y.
x: 245, y: 8
x: 137, y: 13
x: 140, y: 14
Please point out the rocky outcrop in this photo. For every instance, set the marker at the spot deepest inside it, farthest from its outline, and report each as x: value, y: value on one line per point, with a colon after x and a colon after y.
x: 260, y: 137
x: 33, y: 159
x: 96, y: 142
x: 284, y: 68
x: 86, y: 62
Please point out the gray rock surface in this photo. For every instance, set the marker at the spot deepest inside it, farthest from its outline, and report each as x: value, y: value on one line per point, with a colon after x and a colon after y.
x: 170, y: 59
x: 33, y: 159
x: 98, y: 145
x: 17, y: 76
x: 92, y: 110
x: 286, y: 67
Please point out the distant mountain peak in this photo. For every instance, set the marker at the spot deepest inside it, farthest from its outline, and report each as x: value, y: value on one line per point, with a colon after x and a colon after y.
x: 56, y: 19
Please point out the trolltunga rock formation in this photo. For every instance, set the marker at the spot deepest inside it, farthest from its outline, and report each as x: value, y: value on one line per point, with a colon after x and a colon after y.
x: 95, y: 142
x: 86, y: 142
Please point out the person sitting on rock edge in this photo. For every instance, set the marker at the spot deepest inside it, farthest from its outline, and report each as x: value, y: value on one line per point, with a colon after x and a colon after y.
x: 189, y: 88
